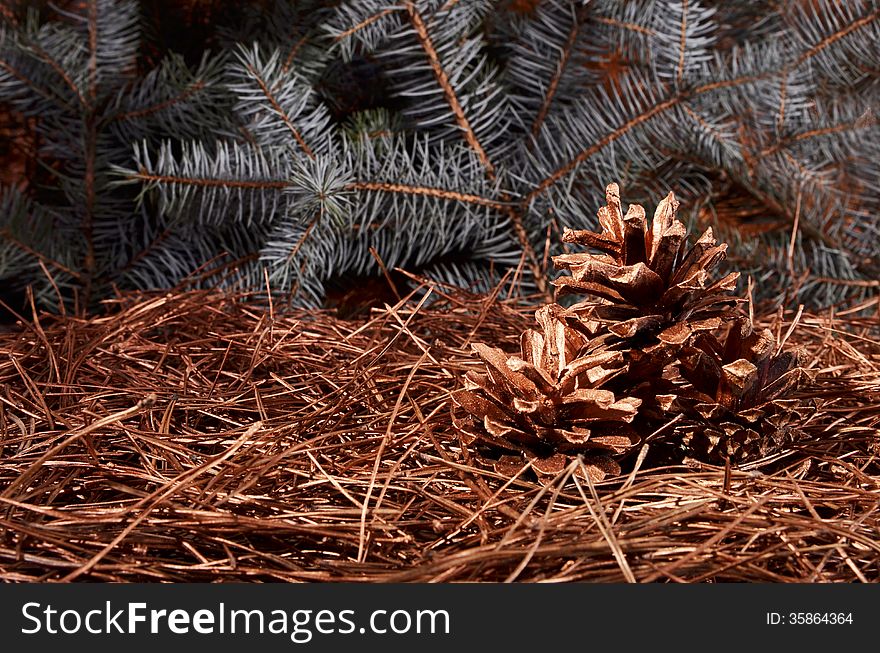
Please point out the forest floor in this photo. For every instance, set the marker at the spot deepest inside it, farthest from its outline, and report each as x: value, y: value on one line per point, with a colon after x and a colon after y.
x: 198, y: 436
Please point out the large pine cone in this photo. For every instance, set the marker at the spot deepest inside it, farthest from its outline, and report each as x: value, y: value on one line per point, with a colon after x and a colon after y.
x: 731, y: 400
x: 547, y: 404
x: 646, y: 280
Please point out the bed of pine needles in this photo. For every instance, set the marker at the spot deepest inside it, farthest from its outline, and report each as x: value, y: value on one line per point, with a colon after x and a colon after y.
x: 198, y: 436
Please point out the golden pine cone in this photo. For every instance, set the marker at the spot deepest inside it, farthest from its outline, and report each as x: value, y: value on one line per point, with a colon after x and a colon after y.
x: 547, y: 404
x: 646, y: 280
x: 732, y: 397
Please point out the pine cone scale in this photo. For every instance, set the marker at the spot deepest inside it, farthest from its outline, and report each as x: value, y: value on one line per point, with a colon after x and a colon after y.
x: 496, y: 360
x: 634, y: 246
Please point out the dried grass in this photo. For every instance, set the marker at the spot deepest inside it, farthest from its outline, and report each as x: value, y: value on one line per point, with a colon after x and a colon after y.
x: 196, y: 436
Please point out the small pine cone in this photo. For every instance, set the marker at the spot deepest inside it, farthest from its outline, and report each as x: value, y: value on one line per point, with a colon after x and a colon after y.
x: 547, y: 404
x: 646, y: 280
x: 732, y: 397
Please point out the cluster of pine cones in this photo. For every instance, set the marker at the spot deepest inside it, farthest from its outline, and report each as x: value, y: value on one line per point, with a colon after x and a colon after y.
x: 657, y: 345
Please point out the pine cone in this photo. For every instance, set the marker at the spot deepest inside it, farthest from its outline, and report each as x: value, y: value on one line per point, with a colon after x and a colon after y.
x: 732, y: 399
x: 547, y: 404
x: 646, y: 281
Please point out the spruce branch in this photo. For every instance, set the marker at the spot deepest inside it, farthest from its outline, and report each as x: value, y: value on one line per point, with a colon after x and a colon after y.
x: 24, y: 80
x: 365, y: 22
x: 177, y: 99
x: 173, y: 101
x: 239, y: 178
x: 450, y: 137
x: 277, y: 103
x: 142, y: 175
x: 62, y: 74
x: 441, y: 193
x: 470, y: 136
x: 842, y: 31
x: 561, y: 66
x: 448, y: 91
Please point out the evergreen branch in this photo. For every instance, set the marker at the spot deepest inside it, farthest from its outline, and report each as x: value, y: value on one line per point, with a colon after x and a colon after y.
x: 365, y: 23
x: 279, y: 110
x: 806, y: 227
x: 702, y: 122
x: 89, y: 146
x: 586, y: 153
x: 59, y: 70
x: 724, y: 150
x: 228, y: 184
x: 146, y: 251
x: 172, y: 100
x: 538, y: 271
x: 654, y: 110
x: 470, y: 136
x: 206, y: 182
x: 111, y: 31
x: 861, y: 283
x: 783, y: 92
x: 7, y: 235
x: 303, y: 280
x: 564, y: 56
x: 291, y: 55
x: 448, y: 91
x: 852, y: 125
x: 729, y: 83
x: 178, y: 252
x: 28, y: 236
x: 51, y: 96
x: 686, y: 36
x: 805, y: 172
x: 302, y: 239
x: 450, y: 4
x: 440, y: 193
x: 682, y: 41
x: 181, y: 97
x: 88, y: 214
x: 276, y: 103
x: 92, y: 6
x: 633, y: 27
x: 831, y: 39
x: 477, y: 133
